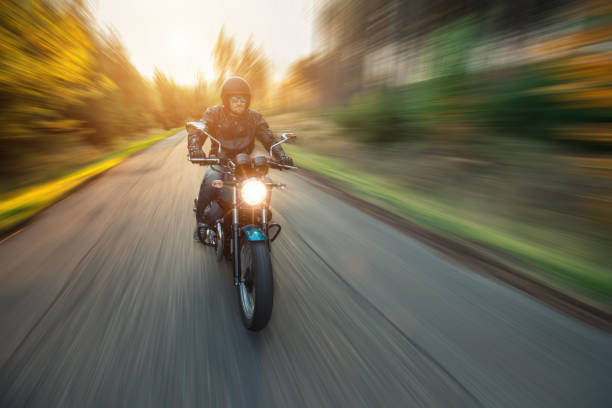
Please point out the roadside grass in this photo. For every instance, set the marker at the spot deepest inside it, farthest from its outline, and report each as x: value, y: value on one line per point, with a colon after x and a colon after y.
x: 19, y: 205
x: 572, y: 275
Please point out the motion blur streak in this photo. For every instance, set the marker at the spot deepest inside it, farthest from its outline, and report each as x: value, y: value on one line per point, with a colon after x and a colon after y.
x: 496, y: 114
x: 107, y: 302
x: 484, y: 122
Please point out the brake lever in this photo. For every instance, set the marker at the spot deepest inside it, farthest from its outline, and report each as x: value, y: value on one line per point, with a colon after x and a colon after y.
x: 281, y: 166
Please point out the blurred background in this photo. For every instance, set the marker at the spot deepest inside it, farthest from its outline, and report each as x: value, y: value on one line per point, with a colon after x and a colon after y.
x: 490, y: 121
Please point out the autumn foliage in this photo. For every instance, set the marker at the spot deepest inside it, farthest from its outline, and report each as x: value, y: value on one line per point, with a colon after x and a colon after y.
x: 65, y: 81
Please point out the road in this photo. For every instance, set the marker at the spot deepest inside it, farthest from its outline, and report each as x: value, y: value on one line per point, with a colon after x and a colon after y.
x: 106, y: 301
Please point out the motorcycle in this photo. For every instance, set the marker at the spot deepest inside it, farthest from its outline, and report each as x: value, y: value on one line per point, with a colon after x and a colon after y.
x: 239, y: 225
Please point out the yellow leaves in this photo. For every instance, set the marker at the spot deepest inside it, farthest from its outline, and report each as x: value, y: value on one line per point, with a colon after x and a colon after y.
x: 587, y: 91
x: 21, y: 204
x: 571, y: 43
x: 583, y: 63
x: 18, y: 205
x: 60, y: 126
x: 597, y: 67
x: 599, y: 133
x: 107, y: 84
x: 591, y: 98
x: 580, y: 94
x: 47, y: 63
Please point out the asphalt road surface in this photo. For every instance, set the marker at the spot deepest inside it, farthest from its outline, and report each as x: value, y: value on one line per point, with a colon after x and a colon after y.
x: 105, y: 300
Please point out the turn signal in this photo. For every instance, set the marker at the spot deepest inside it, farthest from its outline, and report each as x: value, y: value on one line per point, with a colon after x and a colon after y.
x: 217, y: 183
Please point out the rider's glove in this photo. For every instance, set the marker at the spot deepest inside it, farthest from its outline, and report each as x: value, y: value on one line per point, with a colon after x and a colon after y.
x: 195, y: 150
x: 286, y: 160
x: 197, y: 154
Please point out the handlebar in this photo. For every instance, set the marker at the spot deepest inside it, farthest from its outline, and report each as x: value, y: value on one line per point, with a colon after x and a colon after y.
x: 201, y: 127
x: 205, y: 161
x: 208, y: 161
x: 277, y: 165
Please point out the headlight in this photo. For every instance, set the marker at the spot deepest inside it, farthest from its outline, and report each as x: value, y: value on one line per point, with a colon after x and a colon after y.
x: 253, y: 192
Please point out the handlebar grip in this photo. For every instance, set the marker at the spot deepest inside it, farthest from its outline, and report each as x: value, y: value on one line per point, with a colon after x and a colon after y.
x: 280, y: 166
x: 205, y: 161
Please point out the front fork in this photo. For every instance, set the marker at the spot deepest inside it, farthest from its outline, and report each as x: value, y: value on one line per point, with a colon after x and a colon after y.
x: 264, y: 219
x: 236, y: 232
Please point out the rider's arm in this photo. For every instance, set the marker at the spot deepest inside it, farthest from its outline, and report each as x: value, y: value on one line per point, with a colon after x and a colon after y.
x: 266, y: 137
x: 210, y: 120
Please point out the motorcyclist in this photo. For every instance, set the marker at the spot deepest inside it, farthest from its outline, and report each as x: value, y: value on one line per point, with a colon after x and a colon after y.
x: 236, y: 127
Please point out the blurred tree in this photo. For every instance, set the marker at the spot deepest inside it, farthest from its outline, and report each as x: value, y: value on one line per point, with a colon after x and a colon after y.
x: 178, y: 103
x: 46, y: 72
x: 224, y: 56
x: 173, y: 106
x: 65, y: 83
x: 199, y: 98
x: 353, y: 30
x: 248, y: 62
x: 299, y: 88
x: 128, y: 106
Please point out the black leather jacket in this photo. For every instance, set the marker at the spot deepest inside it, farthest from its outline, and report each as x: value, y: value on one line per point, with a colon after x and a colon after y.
x: 236, y: 134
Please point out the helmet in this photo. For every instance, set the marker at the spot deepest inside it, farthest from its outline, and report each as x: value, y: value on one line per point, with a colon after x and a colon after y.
x: 235, y: 86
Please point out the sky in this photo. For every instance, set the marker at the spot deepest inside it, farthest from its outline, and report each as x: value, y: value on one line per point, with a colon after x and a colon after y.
x: 177, y: 36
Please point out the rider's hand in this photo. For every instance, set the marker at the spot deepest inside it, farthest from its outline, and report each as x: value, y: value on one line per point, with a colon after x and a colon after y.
x: 286, y: 160
x: 196, y: 152
x: 194, y: 147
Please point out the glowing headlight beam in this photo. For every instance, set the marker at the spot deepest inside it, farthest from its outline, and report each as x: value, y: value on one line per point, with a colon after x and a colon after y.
x: 253, y: 192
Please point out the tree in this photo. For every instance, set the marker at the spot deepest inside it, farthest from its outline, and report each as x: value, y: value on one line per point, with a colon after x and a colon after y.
x: 46, y: 72
x: 248, y: 62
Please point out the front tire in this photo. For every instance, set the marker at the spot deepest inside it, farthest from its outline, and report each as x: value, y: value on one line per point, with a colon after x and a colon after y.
x: 220, y: 242
x: 256, y: 288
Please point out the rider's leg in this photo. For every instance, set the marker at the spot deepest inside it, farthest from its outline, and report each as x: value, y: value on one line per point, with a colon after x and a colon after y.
x: 207, y: 192
x: 206, y: 196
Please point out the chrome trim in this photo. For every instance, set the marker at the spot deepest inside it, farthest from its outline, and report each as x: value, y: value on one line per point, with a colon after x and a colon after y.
x: 235, y: 198
x: 285, y: 137
x: 219, y: 232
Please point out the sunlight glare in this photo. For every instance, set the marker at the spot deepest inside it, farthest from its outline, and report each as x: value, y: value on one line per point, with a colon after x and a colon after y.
x: 278, y: 76
x: 209, y: 71
x: 179, y: 43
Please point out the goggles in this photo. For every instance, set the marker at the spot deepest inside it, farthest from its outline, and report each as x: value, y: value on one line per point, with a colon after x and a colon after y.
x: 236, y: 99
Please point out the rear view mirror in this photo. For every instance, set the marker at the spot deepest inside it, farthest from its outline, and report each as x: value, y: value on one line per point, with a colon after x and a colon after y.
x: 199, y: 127
x: 289, y: 136
x: 286, y: 137
x: 194, y: 127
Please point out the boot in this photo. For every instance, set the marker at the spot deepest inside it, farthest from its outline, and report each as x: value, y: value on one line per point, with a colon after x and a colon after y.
x: 202, y: 228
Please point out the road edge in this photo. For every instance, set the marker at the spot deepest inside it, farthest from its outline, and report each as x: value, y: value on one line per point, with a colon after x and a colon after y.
x: 15, y: 229
x: 479, y: 260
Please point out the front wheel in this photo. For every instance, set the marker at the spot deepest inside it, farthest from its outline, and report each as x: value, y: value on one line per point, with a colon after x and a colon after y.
x: 256, y: 287
x: 220, y: 247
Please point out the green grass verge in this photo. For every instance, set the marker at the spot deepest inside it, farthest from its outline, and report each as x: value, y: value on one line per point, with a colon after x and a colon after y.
x: 17, y: 206
x: 576, y: 276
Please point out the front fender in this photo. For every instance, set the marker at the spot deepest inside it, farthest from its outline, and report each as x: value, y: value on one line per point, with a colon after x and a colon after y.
x: 253, y: 233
